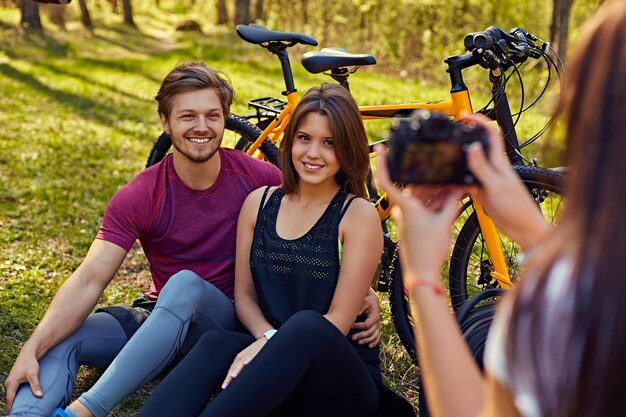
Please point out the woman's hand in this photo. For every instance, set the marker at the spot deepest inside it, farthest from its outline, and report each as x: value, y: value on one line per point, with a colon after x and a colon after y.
x: 242, y: 359
x: 502, y: 193
x: 424, y: 217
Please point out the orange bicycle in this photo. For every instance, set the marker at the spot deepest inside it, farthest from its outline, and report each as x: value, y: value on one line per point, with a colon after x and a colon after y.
x: 482, y: 258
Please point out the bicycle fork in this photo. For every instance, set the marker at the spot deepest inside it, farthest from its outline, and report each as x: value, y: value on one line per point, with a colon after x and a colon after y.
x: 490, y: 236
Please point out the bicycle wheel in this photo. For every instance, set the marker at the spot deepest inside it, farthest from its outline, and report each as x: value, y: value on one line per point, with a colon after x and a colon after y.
x: 159, y: 149
x: 235, y: 126
x: 400, y: 306
x: 470, y: 266
x: 269, y: 149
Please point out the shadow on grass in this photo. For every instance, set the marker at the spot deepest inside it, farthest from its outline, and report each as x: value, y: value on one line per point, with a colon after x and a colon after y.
x: 39, y: 41
x: 89, y: 109
x: 126, y: 66
x: 127, y: 38
x: 90, y: 81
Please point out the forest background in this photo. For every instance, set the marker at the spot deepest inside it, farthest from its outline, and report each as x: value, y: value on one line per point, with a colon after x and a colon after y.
x: 409, y: 34
x: 77, y: 116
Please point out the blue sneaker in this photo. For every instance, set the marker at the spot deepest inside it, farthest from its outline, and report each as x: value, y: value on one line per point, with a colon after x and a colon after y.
x: 59, y: 412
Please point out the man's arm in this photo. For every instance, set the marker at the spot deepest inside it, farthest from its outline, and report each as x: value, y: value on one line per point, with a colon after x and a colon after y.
x: 369, y: 328
x: 70, y: 306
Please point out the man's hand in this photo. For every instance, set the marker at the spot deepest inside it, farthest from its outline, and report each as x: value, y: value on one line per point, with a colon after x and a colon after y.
x: 370, y: 328
x: 25, y: 369
x: 242, y: 359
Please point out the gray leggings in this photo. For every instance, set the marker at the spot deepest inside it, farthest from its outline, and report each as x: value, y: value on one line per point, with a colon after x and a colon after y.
x: 187, y: 307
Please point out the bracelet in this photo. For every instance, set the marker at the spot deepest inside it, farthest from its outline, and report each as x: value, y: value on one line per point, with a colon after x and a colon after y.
x: 434, y: 286
x: 268, y: 334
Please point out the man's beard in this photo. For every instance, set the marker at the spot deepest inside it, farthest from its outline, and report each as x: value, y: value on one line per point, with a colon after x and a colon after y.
x: 195, y: 158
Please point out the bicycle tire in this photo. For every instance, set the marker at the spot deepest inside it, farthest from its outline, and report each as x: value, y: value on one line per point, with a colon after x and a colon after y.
x: 236, y: 124
x: 401, y: 315
x: 469, y: 263
x: 159, y: 149
x: 243, y: 144
x: 269, y: 149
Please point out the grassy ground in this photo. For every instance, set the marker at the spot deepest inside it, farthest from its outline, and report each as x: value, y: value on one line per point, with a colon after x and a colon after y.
x: 78, y: 121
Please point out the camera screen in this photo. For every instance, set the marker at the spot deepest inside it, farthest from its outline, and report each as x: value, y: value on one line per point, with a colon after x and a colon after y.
x: 430, y: 162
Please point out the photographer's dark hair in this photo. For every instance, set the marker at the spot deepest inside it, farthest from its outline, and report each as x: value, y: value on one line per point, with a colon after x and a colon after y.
x: 192, y: 76
x: 349, y: 138
x: 590, y: 238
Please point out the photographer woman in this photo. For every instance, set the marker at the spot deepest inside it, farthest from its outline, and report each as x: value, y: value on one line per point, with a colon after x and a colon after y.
x: 558, y: 341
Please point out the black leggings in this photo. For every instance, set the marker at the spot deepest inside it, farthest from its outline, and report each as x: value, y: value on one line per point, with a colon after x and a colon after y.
x: 307, y: 368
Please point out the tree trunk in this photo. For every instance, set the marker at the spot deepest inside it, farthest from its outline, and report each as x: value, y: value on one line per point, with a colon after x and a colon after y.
x: 259, y: 10
x: 30, y: 20
x: 325, y: 23
x: 85, y: 17
x: 128, y: 13
x: 559, y: 25
x: 242, y: 12
x: 222, y: 13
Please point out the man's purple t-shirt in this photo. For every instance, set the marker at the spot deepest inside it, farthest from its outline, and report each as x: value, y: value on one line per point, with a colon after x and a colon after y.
x: 180, y: 228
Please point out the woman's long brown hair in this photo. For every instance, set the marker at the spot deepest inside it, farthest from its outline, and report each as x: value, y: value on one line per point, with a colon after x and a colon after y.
x: 349, y: 138
x: 578, y: 366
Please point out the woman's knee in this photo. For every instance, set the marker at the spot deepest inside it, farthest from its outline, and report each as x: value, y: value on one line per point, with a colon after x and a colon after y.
x: 210, y: 339
x: 307, y: 320
x: 310, y: 326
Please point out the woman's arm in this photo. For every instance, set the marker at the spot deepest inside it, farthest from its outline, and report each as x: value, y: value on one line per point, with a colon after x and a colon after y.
x: 246, y: 303
x: 362, y: 243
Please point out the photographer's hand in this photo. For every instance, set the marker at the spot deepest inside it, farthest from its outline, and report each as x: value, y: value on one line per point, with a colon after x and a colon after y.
x: 502, y: 193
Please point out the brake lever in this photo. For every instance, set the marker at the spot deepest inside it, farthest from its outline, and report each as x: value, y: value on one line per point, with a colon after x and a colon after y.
x: 490, y: 59
x: 523, y: 34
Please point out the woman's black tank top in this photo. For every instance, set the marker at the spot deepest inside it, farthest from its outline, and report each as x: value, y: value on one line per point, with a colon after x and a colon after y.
x: 299, y: 274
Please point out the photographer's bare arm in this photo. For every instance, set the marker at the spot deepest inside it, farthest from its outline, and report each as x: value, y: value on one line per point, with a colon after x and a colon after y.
x: 447, y: 366
x: 70, y: 306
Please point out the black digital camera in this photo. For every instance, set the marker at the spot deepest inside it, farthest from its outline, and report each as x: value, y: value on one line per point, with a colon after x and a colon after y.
x: 430, y: 148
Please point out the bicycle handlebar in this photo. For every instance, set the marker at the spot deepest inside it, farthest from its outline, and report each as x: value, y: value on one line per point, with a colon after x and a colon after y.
x: 485, y: 39
x: 503, y: 48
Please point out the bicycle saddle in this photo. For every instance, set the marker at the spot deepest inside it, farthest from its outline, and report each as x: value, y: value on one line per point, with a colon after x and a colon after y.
x: 258, y: 34
x: 330, y: 58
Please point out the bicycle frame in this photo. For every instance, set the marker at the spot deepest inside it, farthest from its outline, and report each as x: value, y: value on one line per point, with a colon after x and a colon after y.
x: 458, y: 106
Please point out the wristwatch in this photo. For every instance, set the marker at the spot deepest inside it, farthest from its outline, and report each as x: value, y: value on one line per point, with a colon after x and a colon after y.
x: 268, y: 334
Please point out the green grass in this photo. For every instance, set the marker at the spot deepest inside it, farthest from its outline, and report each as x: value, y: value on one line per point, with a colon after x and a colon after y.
x: 78, y: 121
